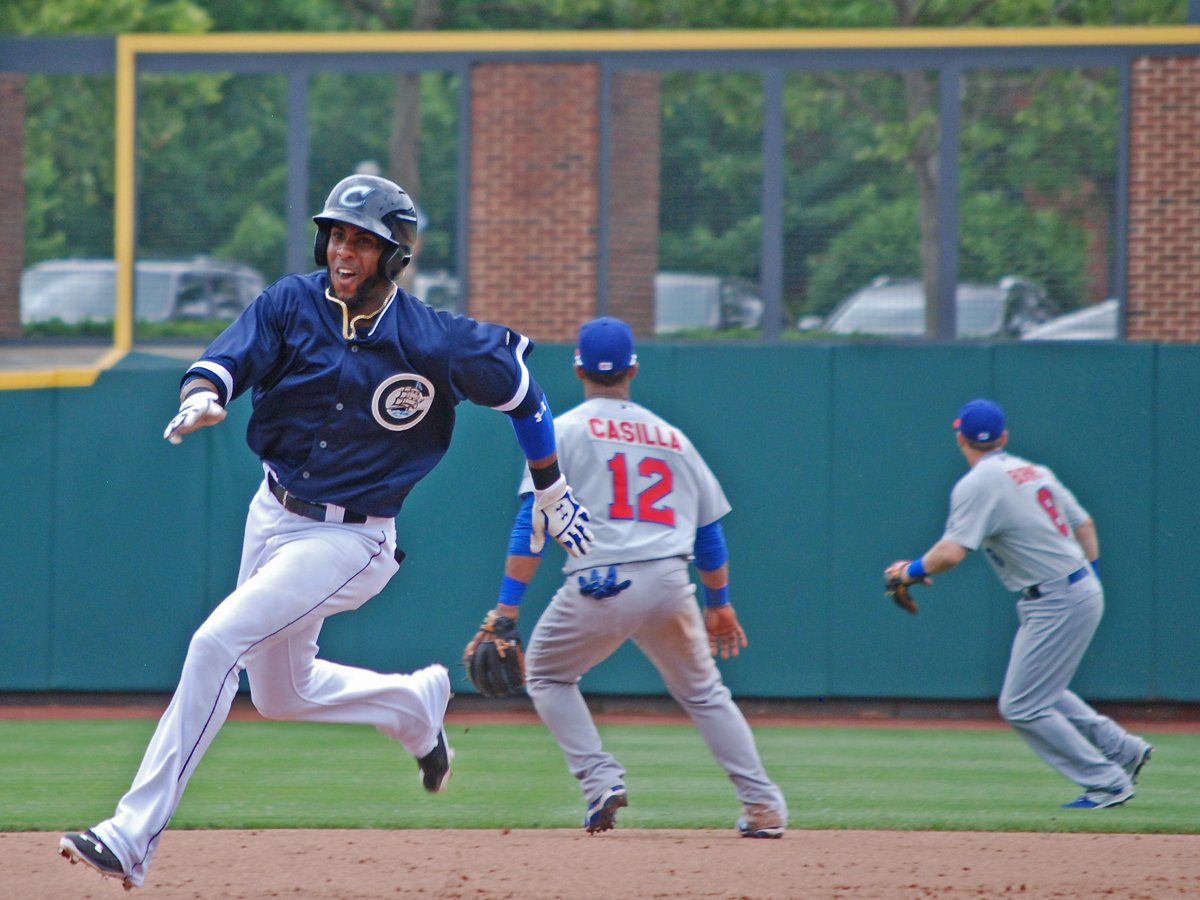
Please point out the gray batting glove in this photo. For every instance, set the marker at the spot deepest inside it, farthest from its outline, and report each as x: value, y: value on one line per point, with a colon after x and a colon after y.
x: 198, y: 410
x: 556, y: 511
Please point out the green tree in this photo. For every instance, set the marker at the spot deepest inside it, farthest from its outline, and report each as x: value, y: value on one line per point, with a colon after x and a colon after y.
x: 710, y: 192
x: 1036, y: 177
x: 861, y: 177
x: 69, y: 133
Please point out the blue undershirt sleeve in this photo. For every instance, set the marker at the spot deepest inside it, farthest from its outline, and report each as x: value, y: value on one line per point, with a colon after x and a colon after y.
x: 518, y: 540
x: 710, y: 549
x: 535, y: 432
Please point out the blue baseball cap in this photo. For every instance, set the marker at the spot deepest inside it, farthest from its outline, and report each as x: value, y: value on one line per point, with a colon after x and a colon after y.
x: 980, y: 421
x: 605, y: 345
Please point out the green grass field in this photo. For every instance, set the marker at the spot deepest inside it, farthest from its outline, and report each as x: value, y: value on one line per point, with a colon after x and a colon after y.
x: 60, y: 774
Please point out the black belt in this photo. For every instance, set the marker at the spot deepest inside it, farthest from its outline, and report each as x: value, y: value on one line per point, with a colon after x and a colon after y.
x: 317, y: 511
x: 1034, y: 592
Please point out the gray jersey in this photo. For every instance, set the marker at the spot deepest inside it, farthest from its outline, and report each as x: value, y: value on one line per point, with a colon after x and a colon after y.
x: 647, y: 486
x: 1022, y: 516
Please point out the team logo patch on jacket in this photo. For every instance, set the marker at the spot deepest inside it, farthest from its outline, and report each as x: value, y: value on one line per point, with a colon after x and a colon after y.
x: 402, y: 401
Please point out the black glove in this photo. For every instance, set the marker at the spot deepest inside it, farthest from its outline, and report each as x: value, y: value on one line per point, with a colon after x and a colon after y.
x: 495, y: 659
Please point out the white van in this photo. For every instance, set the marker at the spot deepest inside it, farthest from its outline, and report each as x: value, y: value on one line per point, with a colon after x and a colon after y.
x: 85, y: 290
x: 686, y: 300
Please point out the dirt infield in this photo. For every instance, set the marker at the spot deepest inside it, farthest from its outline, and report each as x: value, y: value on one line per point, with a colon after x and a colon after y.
x: 636, y: 863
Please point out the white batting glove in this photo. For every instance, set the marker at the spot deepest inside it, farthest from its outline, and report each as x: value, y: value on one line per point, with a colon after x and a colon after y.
x: 198, y: 410
x: 556, y: 511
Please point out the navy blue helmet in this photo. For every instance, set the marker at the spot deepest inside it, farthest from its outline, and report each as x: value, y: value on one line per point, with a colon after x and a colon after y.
x: 376, y: 205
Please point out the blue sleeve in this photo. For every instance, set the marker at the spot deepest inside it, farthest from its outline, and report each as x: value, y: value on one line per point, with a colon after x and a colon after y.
x: 711, y: 552
x: 250, y: 349
x: 535, y: 432
x: 518, y: 540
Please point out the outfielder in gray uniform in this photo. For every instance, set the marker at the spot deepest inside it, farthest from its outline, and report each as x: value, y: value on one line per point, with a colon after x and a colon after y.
x: 655, y: 505
x: 1041, y: 542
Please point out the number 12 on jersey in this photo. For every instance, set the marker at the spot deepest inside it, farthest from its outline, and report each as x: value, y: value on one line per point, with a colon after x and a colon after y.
x: 649, y: 507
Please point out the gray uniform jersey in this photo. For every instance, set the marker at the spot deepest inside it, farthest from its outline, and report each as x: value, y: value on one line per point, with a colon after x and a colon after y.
x: 648, y: 490
x: 647, y: 486
x: 1025, y: 520
x: 1022, y: 516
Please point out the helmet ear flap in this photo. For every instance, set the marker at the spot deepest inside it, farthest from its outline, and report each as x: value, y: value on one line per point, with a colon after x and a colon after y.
x: 321, y: 246
x: 403, y: 235
x: 397, y: 263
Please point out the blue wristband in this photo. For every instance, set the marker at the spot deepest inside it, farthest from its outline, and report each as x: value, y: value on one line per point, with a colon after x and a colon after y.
x: 714, y: 597
x: 1096, y: 567
x: 512, y: 590
x: 916, y: 569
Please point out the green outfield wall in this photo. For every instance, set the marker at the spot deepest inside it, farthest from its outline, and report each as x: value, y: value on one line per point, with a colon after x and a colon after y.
x: 837, y: 459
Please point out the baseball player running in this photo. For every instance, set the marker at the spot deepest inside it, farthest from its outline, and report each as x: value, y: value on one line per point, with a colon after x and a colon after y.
x: 1041, y: 542
x: 655, y: 505
x: 354, y: 384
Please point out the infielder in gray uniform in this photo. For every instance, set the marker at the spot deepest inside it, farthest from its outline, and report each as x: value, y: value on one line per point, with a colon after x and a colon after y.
x: 655, y: 505
x: 1041, y: 542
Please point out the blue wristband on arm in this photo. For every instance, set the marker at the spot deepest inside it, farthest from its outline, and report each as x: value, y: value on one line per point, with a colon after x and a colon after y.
x: 1095, y: 564
x: 916, y: 569
x: 714, y: 597
x: 512, y: 590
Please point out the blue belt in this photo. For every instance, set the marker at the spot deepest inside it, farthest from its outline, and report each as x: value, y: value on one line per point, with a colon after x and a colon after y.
x: 1034, y: 592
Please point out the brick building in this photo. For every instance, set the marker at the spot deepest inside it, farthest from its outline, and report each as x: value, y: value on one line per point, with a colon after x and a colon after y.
x: 1163, y: 302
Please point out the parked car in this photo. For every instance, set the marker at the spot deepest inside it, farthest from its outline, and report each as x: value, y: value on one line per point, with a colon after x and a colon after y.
x: 896, y: 308
x: 686, y: 300
x: 84, y: 290
x: 1098, y: 322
